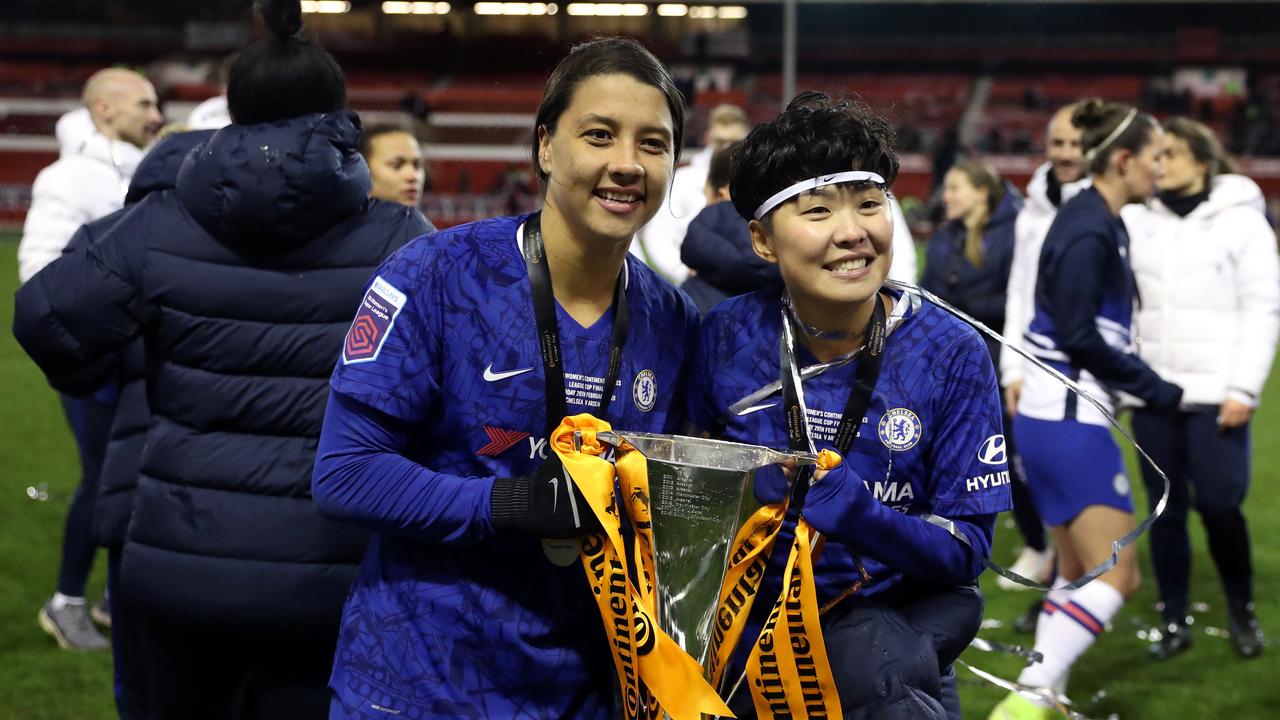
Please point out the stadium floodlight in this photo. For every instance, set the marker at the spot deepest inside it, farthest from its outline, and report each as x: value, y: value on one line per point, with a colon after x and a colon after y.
x: 516, y: 8
x: 731, y: 12
x: 609, y: 9
x: 702, y: 12
x: 673, y: 10
x: 326, y: 7
x: 398, y: 7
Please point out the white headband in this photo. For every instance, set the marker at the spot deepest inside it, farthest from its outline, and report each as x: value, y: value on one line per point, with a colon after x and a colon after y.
x: 813, y: 184
x: 1124, y: 125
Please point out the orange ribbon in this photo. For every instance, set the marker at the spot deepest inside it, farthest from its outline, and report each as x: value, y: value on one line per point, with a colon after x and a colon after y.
x: 655, y: 674
x: 787, y: 671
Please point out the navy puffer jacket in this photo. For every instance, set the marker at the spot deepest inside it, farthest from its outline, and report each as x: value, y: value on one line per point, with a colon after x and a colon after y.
x: 241, y: 283
x: 157, y: 171
x: 717, y: 248
x: 978, y: 291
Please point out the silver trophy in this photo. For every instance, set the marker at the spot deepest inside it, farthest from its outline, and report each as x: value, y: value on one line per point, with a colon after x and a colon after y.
x: 700, y: 494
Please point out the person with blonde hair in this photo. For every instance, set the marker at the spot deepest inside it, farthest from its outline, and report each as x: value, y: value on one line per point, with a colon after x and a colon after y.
x: 1205, y: 260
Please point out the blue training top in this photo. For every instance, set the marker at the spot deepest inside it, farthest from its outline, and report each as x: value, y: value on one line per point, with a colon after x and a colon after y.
x: 439, y: 391
x: 1083, y: 313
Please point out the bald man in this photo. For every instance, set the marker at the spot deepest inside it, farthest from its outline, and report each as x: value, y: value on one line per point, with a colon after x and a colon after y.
x: 1053, y: 183
x: 87, y: 182
x: 89, y: 179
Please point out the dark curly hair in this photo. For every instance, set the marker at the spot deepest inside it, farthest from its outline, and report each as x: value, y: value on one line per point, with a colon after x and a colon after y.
x: 815, y: 135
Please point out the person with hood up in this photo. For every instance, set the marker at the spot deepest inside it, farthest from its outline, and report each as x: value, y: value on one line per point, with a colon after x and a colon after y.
x: 240, y: 282
x: 1205, y: 260
x: 717, y: 245
x: 100, y: 145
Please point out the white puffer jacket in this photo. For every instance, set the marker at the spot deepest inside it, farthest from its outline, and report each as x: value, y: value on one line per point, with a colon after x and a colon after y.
x: 1210, y: 292
x: 1029, y: 231
x: 89, y: 180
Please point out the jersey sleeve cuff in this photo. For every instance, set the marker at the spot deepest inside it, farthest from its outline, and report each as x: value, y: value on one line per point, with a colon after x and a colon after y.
x: 985, y: 505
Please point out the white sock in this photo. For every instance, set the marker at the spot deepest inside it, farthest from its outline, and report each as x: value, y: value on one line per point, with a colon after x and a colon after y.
x: 1070, y: 631
x: 60, y: 601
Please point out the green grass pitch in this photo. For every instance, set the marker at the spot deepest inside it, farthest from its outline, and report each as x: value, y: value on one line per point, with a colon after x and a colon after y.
x: 38, y: 681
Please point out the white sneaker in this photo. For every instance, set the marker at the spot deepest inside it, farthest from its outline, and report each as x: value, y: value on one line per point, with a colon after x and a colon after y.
x: 1030, y: 564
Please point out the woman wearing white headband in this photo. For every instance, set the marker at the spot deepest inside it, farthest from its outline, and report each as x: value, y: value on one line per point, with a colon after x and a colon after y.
x: 1084, y: 302
x: 903, y: 390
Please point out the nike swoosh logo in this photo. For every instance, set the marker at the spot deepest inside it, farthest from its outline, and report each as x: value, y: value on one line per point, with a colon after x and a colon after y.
x: 755, y: 408
x: 555, y: 493
x: 827, y: 178
x: 491, y: 376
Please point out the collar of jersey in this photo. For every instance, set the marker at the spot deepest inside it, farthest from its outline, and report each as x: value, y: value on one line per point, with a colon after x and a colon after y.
x: 906, y: 306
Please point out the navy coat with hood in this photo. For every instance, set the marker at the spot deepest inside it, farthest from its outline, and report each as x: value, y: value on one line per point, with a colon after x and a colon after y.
x: 978, y: 291
x: 157, y: 171
x: 717, y: 247
x: 241, y: 283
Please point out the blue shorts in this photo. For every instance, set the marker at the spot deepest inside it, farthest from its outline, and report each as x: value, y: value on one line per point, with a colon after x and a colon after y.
x: 1069, y: 466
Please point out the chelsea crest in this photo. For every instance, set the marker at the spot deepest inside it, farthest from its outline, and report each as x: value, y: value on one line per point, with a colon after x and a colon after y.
x: 644, y: 391
x: 900, y: 429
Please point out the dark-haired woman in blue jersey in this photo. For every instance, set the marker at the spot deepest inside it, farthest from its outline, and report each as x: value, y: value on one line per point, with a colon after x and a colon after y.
x: 924, y: 475
x: 469, y: 346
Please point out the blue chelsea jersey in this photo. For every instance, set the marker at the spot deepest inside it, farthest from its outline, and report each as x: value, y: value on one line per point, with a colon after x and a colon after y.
x: 931, y: 441
x: 487, y: 626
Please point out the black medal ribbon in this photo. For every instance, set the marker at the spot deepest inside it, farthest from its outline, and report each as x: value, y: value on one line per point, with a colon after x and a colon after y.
x: 864, y: 382
x: 799, y: 439
x: 544, y: 314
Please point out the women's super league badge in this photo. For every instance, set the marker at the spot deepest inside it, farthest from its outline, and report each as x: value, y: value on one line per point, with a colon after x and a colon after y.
x: 378, y: 311
x: 900, y: 429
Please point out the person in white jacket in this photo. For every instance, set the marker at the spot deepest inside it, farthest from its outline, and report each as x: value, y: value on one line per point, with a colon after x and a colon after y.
x: 100, y: 146
x: 658, y: 243
x: 1208, y: 275
x: 90, y: 177
x: 1053, y: 183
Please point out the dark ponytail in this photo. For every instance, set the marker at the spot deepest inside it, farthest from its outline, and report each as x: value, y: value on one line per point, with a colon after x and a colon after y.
x: 1107, y: 127
x: 283, y: 76
x: 283, y: 18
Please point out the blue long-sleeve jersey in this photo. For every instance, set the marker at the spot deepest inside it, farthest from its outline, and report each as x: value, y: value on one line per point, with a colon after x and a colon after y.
x: 440, y: 390
x: 931, y: 442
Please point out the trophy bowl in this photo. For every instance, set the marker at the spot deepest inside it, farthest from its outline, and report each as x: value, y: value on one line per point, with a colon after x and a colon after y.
x: 700, y: 495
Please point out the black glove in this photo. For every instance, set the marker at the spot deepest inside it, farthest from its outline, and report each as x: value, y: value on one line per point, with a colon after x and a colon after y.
x: 546, y: 504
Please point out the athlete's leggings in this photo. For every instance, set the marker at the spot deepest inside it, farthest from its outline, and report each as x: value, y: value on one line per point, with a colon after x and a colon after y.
x: 1209, y: 469
x: 90, y: 420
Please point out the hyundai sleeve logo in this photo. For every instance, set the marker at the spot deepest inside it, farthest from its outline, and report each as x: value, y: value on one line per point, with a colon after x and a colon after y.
x: 992, y: 451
